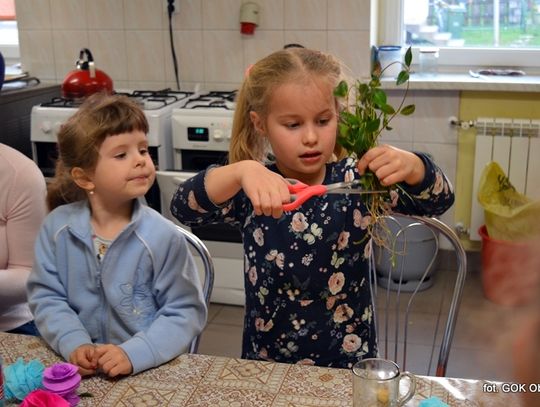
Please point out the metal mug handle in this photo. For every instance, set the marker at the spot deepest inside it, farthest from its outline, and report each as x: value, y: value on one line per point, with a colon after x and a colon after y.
x: 412, y: 388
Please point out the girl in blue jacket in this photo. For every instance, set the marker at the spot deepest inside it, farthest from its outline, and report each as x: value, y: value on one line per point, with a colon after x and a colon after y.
x: 114, y: 287
x: 306, y: 272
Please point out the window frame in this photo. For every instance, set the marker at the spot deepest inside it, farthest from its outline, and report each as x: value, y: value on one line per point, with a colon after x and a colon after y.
x: 454, y: 59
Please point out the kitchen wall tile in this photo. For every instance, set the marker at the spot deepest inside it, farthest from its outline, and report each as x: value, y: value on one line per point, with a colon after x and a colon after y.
x: 189, y: 55
x: 223, y: 56
x: 431, y: 116
x: 351, y: 48
x: 348, y: 14
x: 37, y: 54
x: 145, y: 85
x: 68, y: 15
x: 315, y: 39
x: 121, y: 85
x: 109, y: 51
x: 271, y: 15
x: 187, y: 15
x: 221, y: 15
x: 262, y: 44
x: 145, y: 56
x: 67, y: 46
x: 305, y: 14
x: 143, y: 15
x: 33, y: 14
x: 402, y: 126
x: 105, y: 14
x: 221, y: 86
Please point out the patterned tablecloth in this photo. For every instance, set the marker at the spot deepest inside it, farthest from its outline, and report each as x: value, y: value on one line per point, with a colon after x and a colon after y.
x: 200, y: 380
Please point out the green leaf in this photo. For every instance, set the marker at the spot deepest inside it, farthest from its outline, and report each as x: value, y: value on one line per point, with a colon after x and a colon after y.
x: 408, y: 110
x: 402, y: 77
x: 379, y: 97
x: 341, y: 89
x: 343, y: 129
x: 388, y: 109
x: 350, y: 119
x: 408, y: 57
x: 373, y: 125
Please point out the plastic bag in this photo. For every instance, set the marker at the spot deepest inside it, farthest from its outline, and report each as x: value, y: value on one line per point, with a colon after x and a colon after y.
x: 509, y: 215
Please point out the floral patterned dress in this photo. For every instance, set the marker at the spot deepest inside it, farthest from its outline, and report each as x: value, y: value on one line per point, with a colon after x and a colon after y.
x: 306, y: 275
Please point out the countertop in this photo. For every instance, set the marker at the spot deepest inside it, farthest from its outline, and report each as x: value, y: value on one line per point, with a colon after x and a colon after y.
x: 461, y: 81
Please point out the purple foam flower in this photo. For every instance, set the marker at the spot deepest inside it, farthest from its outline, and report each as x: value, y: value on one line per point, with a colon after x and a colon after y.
x: 63, y: 379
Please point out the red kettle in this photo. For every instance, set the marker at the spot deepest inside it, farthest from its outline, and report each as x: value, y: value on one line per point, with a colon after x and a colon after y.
x: 86, y: 79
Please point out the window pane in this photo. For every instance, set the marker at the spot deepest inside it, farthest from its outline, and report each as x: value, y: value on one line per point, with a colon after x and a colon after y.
x: 473, y: 23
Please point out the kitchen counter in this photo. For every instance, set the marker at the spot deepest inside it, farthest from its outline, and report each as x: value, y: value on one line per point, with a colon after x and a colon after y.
x: 15, y: 113
x: 460, y: 81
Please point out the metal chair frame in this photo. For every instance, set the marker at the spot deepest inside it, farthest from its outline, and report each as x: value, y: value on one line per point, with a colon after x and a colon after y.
x: 208, y: 284
x: 435, y: 226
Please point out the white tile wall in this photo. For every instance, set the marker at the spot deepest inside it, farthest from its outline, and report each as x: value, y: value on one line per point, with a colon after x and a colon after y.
x: 210, y: 48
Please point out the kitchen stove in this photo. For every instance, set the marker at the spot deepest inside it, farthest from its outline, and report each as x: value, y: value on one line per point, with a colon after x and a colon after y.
x: 47, y: 118
x: 201, y: 133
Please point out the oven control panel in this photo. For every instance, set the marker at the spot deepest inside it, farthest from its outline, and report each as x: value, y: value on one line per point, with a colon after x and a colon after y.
x: 201, y: 129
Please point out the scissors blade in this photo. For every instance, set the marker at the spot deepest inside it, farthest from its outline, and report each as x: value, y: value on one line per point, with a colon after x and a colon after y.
x: 355, y: 191
x: 350, y: 187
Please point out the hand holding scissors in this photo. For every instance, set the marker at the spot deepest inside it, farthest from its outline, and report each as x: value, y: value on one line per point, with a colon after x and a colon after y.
x: 301, y: 192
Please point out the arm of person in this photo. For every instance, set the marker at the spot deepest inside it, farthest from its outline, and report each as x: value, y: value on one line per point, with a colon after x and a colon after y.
x: 25, y: 202
x: 266, y: 190
x: 181, y: 311
x: 422, y: 188
x: 57, y: 322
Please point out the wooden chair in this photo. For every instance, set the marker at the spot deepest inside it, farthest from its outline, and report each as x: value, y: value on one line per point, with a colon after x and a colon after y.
x: 392, y: 307
x: 208, y: 283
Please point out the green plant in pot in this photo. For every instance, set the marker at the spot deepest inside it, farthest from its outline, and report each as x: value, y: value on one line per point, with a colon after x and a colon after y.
x: 366, y: 114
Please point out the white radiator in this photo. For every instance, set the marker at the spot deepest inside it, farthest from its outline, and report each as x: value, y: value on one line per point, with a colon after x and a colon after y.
x: 515, y: 145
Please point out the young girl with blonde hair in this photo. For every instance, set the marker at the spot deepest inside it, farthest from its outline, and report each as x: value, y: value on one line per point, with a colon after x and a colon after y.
x: 306, y: 275
x: 114, y: 287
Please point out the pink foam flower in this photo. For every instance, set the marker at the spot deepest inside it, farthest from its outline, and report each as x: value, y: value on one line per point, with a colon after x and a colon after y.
x: 43, y: 398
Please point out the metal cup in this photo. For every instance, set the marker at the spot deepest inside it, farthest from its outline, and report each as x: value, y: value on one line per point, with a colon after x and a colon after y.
x: 376, y: 383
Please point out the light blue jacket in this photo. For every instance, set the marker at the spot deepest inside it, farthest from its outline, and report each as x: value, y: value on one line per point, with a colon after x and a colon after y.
x: 145, y: 296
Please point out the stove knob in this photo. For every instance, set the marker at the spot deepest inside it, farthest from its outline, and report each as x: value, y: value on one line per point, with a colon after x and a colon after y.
x: 46, y: 127
x: 218, y: 135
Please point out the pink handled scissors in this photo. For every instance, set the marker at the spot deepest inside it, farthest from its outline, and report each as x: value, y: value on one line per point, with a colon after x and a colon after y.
x: 301, y: 192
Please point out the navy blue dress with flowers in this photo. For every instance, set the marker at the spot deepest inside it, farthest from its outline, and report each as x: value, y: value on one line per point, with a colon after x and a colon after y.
x: 306, y: 274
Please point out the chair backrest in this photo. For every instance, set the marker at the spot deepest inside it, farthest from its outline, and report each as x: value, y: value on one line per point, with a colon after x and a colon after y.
x: 208, y: 283
x: 394, y: 301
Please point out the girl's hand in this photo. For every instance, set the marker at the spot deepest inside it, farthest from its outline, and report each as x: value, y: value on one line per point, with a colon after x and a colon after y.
x: 266, y: 190
x: 85, y: 358
x: 392, y: 165
x: 113, y: 361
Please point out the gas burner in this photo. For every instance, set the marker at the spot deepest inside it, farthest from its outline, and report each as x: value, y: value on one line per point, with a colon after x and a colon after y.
x: 213, y: 99
x: 147, y: 99
x: 62, y: 102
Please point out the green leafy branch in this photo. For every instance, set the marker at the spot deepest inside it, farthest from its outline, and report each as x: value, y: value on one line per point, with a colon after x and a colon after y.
x: 365, y: 115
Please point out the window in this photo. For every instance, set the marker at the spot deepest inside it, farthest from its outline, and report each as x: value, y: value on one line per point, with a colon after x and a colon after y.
x: 472, y: 33
x: 9, y: 36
